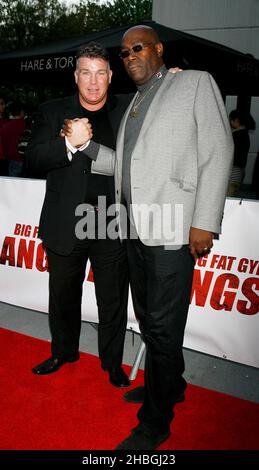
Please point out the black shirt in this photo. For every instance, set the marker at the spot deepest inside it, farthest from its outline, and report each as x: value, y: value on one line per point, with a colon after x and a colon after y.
x: 99, y: 185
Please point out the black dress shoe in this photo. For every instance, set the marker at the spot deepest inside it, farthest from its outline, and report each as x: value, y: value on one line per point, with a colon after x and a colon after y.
x: 136, y: 395
x: 118, y: 378
x: 53, y: 364
x: 142, y: 440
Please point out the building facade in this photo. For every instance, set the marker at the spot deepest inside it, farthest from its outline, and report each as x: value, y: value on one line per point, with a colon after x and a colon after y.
x: 233, y: 23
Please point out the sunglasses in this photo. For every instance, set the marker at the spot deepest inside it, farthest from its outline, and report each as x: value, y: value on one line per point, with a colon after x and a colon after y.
x: 134, y: 49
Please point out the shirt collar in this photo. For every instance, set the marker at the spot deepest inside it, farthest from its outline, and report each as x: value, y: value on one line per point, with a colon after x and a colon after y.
x: 155, y: 78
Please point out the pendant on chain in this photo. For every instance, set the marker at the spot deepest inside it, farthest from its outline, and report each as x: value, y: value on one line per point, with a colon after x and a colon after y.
x: 134, y: 110
x: 133, y: 113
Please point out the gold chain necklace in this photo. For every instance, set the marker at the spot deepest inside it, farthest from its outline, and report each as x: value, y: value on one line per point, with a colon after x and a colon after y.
x: 137, y: 102
x: 139, y: 98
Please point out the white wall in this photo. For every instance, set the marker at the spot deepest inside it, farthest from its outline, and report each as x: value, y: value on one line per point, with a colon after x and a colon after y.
x: 234, y: 23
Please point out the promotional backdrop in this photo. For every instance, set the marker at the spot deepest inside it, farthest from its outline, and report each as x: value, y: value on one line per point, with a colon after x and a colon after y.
x: 224, y: 306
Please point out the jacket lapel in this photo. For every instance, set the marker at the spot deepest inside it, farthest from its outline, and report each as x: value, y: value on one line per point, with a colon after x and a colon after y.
x: 121, y: 134
x: 154, y: 106
x: 150, y: 116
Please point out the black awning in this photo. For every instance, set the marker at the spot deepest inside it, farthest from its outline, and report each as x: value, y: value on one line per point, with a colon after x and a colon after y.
x: 236, y: 73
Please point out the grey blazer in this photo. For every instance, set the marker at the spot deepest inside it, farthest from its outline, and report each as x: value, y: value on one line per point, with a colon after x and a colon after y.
x: 181, y: 162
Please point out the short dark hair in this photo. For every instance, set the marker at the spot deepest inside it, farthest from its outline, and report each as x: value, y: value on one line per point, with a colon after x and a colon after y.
x: 245, y: 118
x: 94, y: 50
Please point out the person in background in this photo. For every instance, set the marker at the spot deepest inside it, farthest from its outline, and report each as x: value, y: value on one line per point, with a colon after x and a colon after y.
x: 3, y: 112
x: 173, y: 155
x: 10, y: 135
x: 240, y: 123
x: 25, y: 137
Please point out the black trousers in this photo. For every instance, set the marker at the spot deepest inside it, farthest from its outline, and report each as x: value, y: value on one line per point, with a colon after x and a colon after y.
x: 66, y: 276
x: 161, y: 283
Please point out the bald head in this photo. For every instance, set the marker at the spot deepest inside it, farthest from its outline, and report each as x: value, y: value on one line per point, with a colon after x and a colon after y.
x: 143, y: 62
x: 143, y: 29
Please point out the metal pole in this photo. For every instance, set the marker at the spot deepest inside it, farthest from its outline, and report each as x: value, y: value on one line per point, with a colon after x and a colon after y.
x: 138, y: 358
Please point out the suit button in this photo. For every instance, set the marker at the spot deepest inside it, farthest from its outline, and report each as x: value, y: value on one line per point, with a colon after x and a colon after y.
x: 117, y: 192
x: 86, y: 171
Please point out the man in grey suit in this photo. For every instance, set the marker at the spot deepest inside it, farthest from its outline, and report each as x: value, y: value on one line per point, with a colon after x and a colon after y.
x: 173, y: 159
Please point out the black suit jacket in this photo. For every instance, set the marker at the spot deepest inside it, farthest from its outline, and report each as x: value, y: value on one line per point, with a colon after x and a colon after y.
x: 66, y: 181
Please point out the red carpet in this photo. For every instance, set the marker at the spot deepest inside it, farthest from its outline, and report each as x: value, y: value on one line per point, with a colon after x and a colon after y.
x: 77, y: 408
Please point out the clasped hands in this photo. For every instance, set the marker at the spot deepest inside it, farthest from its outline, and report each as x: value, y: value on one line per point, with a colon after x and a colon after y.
x: 77, y: 131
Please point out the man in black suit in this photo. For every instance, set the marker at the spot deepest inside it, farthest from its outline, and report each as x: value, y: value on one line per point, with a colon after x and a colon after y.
x: 70, y: 183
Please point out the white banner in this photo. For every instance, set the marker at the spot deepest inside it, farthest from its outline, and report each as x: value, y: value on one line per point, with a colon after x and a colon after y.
x: 224, y: 312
